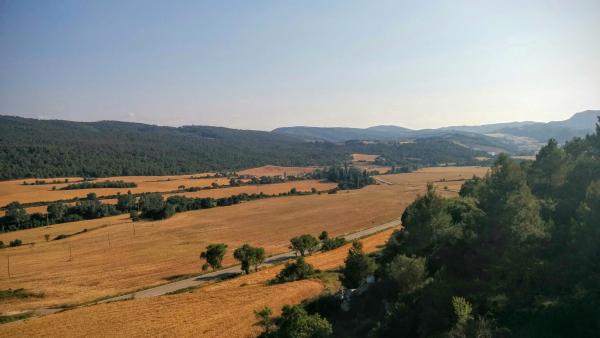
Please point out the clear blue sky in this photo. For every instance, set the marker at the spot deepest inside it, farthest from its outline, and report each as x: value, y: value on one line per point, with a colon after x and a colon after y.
x: 264, y: 64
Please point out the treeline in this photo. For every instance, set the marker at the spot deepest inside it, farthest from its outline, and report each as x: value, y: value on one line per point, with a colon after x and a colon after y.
x: 44, y: 182
x: 151, y: 206
x: 347, y: 177
x: 103, y: 184
x: 17, y: 218
x: 154, y: 207
x: 515, y: 255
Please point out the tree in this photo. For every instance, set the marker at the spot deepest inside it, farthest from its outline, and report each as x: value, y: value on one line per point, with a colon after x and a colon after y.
x: 547, y: 172
x: 126, y: 202
x: 265, y: 320
x: 56, y: 211
x: 304, y: 244
x: 213, y: 255
x: 16, y: 242
x: 409, y: 273
x: 358, y: 266
x: 324, y: 236
x: 249, y: 256
x: 16, y: 214
x: 297, y: 270
x: 154, y: 207
x: 295, y: 322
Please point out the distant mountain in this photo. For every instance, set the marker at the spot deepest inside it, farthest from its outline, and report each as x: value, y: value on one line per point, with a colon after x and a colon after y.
x: 488, y: 128
x: 512, y: 137
x: 332, y: 134
x: 579, y: 124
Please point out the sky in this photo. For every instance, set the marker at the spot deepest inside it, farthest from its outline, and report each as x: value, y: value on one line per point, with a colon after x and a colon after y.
x: 267, y: 64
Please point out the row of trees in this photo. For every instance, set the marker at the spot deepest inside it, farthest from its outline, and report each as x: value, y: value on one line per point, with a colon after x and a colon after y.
x: 248, y: 256
x: 17, y: 218
x: 96, y: 185
x: 154, y: 206
x: 142, y: 206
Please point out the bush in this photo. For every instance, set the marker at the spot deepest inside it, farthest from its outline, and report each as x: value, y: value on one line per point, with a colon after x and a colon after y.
x: 16, y: 242
x: 297, y: 270
x: 332, y: 243
x: 296, y: 322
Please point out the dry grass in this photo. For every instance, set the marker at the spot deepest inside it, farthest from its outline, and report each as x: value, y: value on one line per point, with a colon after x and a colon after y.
x: 15, y: 191
x: 271, y: 170
x: 170, y: 247
x: 224, y: 309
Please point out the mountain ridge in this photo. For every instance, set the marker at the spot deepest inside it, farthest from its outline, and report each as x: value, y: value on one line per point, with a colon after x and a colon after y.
x: 525, y: 135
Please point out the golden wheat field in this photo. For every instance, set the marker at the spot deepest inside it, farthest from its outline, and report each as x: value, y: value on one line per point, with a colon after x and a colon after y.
x: 224, y: 309
x: 14, y: 190
x: 226, y: 191
x: 272, y: 170
x: 364, y: 157
x: 269, y: 189
x: 115, y: 255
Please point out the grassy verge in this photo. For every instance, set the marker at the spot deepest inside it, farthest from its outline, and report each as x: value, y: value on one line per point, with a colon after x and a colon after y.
x: 19, y: 294
x: 12, y: 318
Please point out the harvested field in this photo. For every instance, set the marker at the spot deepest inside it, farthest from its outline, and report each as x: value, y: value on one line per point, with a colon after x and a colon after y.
x: 269, y: 189
x: 373, y: 167
x: 15, y: 191
x: 163, y: 249
x: 271, y: 170
x: 190, y: 314
x: 435, y: 174
x: 364, y: 157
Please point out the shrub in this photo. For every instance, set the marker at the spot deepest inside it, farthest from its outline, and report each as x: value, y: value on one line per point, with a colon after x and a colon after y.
x: 332, y: 243
x: 297, y: 270
x: 296, y: 322
x: 16, y: 242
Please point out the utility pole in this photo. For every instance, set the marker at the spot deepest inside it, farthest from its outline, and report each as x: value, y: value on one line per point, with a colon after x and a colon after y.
x: 8, y: 265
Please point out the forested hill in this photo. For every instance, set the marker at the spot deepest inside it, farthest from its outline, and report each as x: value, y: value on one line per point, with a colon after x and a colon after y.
x: 51, y: 148
x: 54, y: 148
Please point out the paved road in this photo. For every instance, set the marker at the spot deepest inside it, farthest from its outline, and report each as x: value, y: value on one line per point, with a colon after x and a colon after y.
x: 220, y: 274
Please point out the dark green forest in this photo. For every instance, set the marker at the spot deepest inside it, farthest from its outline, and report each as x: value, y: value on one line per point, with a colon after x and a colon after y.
x: 517, y: 254
x: 54, y: 148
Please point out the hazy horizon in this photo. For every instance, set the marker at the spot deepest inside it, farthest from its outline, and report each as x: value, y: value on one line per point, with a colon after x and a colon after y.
x: 278, y: 64
x: 295, y: 125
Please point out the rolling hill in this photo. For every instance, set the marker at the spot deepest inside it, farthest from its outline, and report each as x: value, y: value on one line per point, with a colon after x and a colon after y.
x: 55, y: 148
x: 512, y: 137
